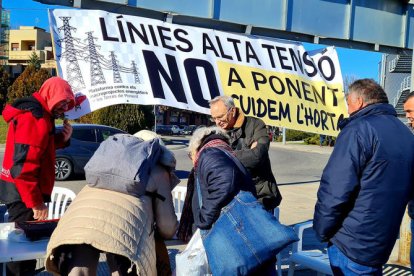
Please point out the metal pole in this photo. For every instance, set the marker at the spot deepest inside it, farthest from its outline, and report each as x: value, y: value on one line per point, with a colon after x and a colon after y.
x: 155, y: 118
x: 284, y: 135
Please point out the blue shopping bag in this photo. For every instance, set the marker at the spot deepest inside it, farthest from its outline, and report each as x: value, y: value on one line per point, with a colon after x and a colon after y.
x: 244, y: 237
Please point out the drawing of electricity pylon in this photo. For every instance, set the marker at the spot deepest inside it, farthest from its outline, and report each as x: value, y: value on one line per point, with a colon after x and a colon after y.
x: 135, y: 72
x: 97, y: 76
x: 74, y: 74
x: 115, y: 68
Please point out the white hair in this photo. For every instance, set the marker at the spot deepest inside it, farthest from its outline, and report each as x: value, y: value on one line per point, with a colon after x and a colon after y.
x: 202, y: 132
x: 227, y: 100
x: 147, y: 135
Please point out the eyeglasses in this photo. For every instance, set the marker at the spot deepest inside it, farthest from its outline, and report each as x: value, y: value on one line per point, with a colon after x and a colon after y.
x: 63, y: 105
x: 222, y: 118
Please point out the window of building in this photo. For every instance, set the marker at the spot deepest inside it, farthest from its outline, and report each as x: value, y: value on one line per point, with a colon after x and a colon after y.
x: 15, y: 46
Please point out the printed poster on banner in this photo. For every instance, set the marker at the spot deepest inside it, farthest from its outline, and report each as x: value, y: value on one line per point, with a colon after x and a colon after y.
x: 111, y: 58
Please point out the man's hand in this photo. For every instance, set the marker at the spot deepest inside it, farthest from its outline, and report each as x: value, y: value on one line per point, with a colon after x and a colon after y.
x: 253, y: 145
x: 40, y: 212
x: 67, y: 130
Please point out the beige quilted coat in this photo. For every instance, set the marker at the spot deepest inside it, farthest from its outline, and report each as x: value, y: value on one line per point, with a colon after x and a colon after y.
x: 118, y: 223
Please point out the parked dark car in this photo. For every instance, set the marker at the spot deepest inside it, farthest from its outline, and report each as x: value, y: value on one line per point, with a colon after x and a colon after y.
x: 164, y: 130
x: 85, y: 140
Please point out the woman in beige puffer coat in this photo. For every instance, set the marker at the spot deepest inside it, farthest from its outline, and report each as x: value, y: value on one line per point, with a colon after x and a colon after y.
x: 118, y: 224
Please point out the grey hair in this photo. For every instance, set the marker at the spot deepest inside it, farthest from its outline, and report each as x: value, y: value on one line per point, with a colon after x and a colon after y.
x: 227, y: 100
x: 370, y: 91
x: 202, y: 132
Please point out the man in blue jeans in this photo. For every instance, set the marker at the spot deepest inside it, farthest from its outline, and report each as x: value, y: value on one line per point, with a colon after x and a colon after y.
x: 409, y: 114
x: 366, y: 185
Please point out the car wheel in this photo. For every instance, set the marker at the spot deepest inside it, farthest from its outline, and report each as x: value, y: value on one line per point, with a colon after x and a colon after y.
x: 63, y: 169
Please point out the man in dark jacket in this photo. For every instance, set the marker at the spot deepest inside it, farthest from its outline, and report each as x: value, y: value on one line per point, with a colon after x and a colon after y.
x: 250, y: 142
x: 409, y: 114
x: 366, y: 184
x: 28, y: 170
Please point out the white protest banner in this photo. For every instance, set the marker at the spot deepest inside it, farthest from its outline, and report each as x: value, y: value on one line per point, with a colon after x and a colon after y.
x: 112, y: 58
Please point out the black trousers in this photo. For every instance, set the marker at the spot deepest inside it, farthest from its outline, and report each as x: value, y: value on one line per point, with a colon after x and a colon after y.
x: 19, y: 212
x: 83, y: 259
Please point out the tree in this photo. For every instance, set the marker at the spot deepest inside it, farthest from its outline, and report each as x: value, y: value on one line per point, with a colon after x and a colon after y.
x: 4, y: 85
x: 128, y: 117
x: 27, y: 83
x: 34, y: 60
x: 348, y: 80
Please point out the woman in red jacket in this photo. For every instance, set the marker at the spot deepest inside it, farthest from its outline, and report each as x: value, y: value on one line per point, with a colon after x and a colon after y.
x: 28, y: 172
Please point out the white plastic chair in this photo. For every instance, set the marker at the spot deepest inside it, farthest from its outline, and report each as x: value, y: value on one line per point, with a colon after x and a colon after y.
x: 311, y: 259
x: 60, y: 199
x: 179, y: 193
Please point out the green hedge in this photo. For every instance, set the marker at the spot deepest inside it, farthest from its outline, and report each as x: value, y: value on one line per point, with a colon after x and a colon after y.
x: 295, y: 135
x: 314, y: 140
x: 3, y: 130
x: 308, y: 138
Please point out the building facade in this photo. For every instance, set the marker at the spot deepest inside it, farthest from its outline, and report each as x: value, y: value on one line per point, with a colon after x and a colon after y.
x: 23, y: 43
x: 173, y: 116
x: 395, y: 78
x: 4, y: 36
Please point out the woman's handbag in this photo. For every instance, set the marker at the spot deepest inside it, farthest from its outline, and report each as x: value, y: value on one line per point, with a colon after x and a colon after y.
x: 245, y: 235
x: 193, y: 260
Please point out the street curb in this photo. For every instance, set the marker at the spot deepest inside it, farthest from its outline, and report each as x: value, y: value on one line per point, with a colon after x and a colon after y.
x: 175, y: 147
x: 170, y: 147
x: 300, y: 146
x: 289, y: 145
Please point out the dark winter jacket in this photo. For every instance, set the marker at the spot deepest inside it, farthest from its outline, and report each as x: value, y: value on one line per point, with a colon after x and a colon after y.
x: 245, y: 132
x: 28, y: 170
x: 366, y: 185
x: 220, y: 180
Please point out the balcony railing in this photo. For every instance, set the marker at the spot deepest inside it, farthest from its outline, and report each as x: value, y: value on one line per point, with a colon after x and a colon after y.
x: 25, y: 55
x: 392, y: 64
x: 404, y: 86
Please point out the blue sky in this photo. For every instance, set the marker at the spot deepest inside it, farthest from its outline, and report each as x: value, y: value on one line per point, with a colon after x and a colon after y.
x: 354, y: 63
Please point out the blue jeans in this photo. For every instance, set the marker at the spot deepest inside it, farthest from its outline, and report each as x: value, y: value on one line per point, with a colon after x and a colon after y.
x: 412, y: 248
x: 342, y: 265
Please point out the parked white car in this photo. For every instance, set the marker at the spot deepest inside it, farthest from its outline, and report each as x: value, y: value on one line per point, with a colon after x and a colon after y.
x: 175, y: 129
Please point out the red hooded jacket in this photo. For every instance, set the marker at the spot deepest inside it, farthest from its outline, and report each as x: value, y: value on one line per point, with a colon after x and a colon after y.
x: 28, y: 172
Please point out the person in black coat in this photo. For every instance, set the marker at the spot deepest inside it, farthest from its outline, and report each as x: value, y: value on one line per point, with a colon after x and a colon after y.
x: 366, y: 184
x: 250, y: 141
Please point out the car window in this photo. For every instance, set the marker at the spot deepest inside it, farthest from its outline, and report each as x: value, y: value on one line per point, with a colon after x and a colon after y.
x: 84, y: 134
x: 106, y: 133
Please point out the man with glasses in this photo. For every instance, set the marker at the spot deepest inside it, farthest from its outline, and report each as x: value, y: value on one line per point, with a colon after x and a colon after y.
x: 28, y: 172
x: 250, y: 142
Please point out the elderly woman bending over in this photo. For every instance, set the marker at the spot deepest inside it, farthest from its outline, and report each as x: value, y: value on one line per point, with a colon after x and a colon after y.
x: 118, y: 224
